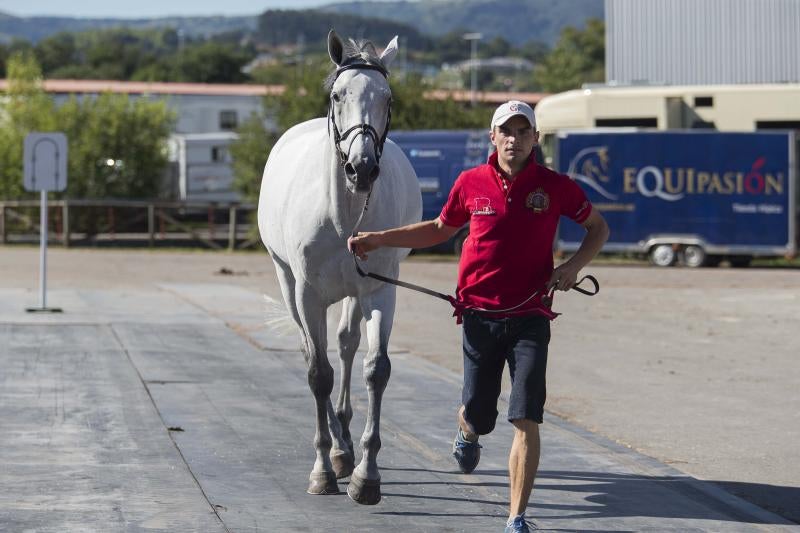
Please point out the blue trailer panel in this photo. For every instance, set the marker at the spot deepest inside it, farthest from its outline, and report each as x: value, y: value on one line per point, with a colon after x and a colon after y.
x: 438, y: 157
x: 728, y: 193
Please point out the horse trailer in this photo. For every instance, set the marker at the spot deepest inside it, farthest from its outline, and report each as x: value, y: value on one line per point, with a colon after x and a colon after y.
x: 687, y: 196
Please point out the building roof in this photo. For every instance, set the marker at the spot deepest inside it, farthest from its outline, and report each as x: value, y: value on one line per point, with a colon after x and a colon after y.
x: 487, y: 97
x: 224, y: 89
x: 141, y: 87
x: 494, y: 63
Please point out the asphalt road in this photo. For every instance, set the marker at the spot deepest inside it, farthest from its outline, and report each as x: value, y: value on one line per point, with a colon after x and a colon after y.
x: 695, y: 368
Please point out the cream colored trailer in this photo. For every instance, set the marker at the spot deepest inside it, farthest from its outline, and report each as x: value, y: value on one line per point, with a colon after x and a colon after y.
x: 720, y: 107
x: 717, y: 107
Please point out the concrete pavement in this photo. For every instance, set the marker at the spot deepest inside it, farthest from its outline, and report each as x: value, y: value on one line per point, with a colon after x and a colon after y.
x: 179, y: 410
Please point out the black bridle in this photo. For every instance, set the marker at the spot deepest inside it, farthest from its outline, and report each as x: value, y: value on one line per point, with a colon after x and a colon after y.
x: 359, y: 129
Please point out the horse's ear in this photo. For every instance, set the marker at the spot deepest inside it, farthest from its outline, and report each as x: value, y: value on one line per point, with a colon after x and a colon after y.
x: 390, y: 52
x: 335, y: 47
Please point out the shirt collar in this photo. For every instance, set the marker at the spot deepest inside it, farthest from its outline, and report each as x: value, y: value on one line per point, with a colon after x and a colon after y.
x: 529, y: 165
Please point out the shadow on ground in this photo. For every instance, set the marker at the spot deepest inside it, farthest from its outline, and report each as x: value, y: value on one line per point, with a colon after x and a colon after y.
x: 608, y: 495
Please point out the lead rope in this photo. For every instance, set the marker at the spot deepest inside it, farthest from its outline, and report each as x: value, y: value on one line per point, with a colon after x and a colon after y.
x: 459, y: 306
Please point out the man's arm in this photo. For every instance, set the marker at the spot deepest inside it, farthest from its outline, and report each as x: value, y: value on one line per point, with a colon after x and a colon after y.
x: 420, y: 235
x: 565, y: 276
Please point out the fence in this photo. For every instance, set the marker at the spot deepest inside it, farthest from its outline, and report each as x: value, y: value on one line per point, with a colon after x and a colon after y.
x: 134, y: 222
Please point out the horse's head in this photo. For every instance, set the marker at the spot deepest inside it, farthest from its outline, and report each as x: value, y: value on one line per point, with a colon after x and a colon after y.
x: 360, y: 107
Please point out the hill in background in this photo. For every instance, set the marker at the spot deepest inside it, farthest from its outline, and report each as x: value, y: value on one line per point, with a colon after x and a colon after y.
x: 517, y: 22
x: 35, y: 29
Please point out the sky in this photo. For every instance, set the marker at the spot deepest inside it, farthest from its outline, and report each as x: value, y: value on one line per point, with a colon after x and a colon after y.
x: 148, y: 8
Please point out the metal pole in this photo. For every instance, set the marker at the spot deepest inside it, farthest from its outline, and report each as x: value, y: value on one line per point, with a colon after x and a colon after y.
x: 232, y: 228
x: 151, y: 224
x: 474, y: 73
x: 2, y: 224
x: 65, y: 216
x: 473, y: 39
x: 43, y: 252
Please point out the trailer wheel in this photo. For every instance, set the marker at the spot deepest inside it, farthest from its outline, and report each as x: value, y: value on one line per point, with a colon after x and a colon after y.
x: 693, y: 256
x: 663, y: 255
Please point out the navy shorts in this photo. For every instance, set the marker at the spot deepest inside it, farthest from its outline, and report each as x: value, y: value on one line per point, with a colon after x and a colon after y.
x: 488, y: 343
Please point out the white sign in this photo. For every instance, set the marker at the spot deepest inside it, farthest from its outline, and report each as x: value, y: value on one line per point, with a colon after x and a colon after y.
x: 45, y: 162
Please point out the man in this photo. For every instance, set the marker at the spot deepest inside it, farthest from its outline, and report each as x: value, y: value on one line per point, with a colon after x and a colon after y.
x: 513, y: 206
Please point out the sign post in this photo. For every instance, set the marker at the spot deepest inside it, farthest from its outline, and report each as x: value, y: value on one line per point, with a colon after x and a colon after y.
x: 45, y: 169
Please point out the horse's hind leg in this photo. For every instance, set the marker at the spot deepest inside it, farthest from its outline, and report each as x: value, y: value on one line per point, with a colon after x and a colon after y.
x: 378, y: 308
x: 311, y: 311
x: 349, y: 331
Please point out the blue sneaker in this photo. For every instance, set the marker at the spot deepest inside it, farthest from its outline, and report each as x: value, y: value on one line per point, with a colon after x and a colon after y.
x: 467, y: 453
x: 519, y: 525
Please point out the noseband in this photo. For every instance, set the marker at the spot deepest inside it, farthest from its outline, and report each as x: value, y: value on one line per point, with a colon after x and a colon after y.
x: 359, y: 129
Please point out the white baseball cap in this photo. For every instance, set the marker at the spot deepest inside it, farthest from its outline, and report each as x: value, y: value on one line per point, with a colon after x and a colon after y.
x: 512, y: 108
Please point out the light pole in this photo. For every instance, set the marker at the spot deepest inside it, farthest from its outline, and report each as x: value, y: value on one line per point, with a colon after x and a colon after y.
x: 473, y: 39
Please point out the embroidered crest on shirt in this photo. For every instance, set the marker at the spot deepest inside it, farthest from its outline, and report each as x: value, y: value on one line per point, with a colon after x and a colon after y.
x: 483, y: 206
x: 538, y: 201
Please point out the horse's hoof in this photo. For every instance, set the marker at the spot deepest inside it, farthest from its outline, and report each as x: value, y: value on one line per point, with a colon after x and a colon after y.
x: 323, y: 483
x: 364, y: 491
x: 343, y: 464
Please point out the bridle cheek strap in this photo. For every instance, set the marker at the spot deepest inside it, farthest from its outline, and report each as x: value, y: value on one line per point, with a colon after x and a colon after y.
x: 359, y: 129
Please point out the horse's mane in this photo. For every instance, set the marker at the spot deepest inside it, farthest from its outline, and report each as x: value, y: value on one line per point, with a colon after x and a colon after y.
x: 355, y: 51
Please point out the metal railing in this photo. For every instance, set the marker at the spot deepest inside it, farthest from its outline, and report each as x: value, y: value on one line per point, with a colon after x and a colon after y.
x: 155, y: 222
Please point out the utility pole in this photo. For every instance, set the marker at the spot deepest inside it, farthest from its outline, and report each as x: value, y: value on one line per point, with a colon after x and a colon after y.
x: 473, y: 39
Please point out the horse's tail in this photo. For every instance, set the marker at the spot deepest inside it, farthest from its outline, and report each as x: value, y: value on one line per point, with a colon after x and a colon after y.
x: 277, y: 318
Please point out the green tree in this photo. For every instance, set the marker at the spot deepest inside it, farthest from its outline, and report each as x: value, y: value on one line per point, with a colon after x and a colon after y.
x: 497, y: 47
x: 25, y: 108
x: 145, y: 55
x: 212, y: 62
x: 417, y: 107
x: 534, y: 50
x: 117, y: 146
x: 4, y: 53
x: 56, y: 51
x: 249, y: 154
x: 131, y: 134
x: 450, y: 48
x: 578, y: 58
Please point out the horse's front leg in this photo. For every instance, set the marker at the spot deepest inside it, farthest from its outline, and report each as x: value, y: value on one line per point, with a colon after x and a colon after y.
x: 349, y: 334
x: 378, y: 308
x: 311, y: 312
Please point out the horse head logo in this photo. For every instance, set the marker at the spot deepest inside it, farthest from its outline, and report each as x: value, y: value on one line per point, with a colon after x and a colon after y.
x: 590, y: 166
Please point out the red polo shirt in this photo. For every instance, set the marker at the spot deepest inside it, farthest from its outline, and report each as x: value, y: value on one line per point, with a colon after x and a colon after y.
x: 508, y: 254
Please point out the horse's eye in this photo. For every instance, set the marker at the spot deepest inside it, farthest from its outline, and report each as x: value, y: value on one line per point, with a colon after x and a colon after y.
x: 335, y: 97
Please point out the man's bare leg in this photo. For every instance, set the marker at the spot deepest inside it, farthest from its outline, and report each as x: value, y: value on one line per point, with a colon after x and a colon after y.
x: 523, y: 462
x: 466, y: 427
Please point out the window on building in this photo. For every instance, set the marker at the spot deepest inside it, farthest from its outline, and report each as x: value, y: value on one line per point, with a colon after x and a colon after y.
x: 778, y: 125
x: 704, y: 101
x: 632, y: 122
x: 228, y: 120
x: 220, y: 154
x: 703, y: 125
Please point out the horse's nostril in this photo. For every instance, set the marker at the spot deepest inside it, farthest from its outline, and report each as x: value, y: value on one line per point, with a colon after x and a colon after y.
x: 373, y: 174
x: 350, y: 170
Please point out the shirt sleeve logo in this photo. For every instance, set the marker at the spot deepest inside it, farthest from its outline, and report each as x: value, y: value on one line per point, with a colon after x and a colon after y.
x: 538, y: 201
x: 582, y: 208
x: 482, y: 206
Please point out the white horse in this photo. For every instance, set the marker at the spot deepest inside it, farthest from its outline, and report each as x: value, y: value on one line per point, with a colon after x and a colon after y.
x: 317, y: 181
